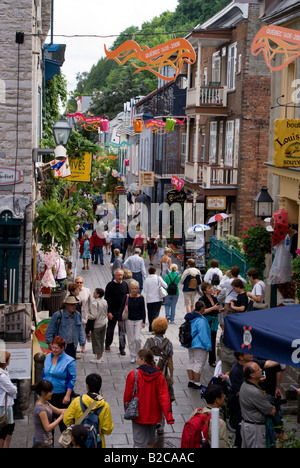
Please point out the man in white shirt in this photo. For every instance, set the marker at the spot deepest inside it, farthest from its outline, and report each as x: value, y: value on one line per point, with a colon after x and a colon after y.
x: 136, y: 265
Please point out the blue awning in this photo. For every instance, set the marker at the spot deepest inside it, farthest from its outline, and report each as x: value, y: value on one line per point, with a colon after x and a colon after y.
x: 52, y: 67
x: 269, y: 334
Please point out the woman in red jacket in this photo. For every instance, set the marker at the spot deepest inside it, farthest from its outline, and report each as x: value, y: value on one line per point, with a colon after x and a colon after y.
x: 153, y: 395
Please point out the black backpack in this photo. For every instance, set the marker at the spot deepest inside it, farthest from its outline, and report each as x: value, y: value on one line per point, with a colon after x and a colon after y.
x: 172, y: 288
x: 185, y: 334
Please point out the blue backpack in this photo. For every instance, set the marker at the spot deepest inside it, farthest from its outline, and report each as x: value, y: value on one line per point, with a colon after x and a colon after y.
x: 91, y: 422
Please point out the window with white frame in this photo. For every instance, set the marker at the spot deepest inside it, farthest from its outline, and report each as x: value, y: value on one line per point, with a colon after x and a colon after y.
x: 213, y: 142
x: 204, y: 76
x: 183, y: 148
x: 202, y: 146
x: 216, y: 67
x: 229, y: 140
x: 231, y: 66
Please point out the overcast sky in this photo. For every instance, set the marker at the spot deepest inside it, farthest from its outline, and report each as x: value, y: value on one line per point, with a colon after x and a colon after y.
x: 105, y: 18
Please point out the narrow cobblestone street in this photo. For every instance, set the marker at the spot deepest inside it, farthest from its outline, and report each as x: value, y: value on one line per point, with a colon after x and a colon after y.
x: 114, y: 371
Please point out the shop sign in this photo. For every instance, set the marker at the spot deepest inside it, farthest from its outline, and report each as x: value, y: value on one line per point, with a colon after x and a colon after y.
x: 80, y: 168
x: 287, y: 143
x: 146, y: 179
x: 9, y: 176
x: 216, y: 203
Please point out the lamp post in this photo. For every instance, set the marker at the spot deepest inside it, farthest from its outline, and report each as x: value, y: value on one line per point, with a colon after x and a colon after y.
x: 61, y: 131
x: 263, y: 203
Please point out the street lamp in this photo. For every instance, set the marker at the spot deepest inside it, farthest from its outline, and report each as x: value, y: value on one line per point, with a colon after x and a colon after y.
x: 263, y: 203
x: 61, y: 131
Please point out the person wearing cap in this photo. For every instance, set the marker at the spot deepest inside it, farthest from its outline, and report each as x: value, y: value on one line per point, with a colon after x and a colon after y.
x: 67, y: 323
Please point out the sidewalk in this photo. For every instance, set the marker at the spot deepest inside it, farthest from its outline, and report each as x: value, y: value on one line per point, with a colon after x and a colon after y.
x: 115, y: 369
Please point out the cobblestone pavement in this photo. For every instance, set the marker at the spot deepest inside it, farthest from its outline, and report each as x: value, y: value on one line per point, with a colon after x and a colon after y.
x: 114, y: 371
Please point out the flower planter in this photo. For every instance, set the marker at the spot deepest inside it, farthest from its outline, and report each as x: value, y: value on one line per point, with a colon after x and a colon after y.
x: 54, y: 302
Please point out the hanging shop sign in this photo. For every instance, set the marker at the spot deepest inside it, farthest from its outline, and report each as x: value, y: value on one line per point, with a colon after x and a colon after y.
x: 146, y: 179
x: 9, y: 176
x: 91, y: 123
x: 216, y: 203
x: 287, y: 143
x: 275, y: 40
x: 175, y: 196
x: 81, y: 169
x: 172, y: 53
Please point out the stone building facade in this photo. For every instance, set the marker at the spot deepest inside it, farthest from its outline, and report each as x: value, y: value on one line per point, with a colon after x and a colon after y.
x: 25, y: 25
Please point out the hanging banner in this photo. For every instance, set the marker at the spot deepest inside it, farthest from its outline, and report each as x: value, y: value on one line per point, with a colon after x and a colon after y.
x: 172, y: 54
x: 287, y: 143
x: 275, y: 40
x: 177, y: 183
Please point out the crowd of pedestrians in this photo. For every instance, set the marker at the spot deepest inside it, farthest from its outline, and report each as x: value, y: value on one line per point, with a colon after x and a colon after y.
x: 133, y: 298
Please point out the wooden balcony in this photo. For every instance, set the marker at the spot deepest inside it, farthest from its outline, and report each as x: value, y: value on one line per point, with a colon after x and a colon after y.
x: 211, y: 177
x: 207, y: 100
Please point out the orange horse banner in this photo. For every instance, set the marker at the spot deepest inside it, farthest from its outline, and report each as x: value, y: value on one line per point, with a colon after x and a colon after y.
x: 172, y: 53
x: 275, y: 40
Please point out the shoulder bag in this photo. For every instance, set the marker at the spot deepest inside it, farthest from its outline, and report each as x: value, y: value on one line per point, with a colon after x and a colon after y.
x: 65, y: 438
x: 161, y: 291
x: 132, y: 407
x: 125, y: 310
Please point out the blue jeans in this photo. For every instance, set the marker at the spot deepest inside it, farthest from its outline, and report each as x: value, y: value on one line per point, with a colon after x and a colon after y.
x: 170, y: 306
x: 98, y: 251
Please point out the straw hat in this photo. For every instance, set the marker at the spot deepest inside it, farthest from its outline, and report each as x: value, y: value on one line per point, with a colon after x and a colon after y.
x: 70, y: 300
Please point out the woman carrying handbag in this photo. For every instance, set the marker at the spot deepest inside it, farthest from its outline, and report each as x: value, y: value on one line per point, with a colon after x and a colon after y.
x: 8, y: 393
x: 153, y: 399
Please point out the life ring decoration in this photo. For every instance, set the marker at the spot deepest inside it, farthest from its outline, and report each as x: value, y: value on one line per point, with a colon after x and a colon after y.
x: 91, y: 123
x: 169, y: 54
x: 275, y: 40
x: 247, y: 338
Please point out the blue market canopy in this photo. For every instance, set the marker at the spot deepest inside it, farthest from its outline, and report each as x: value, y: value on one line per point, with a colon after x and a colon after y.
x: 270, y: 334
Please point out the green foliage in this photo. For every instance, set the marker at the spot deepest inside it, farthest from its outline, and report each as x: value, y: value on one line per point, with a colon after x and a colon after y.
x: 257, y: 242
x: 55, y: 222
x: 233, y: 242
x: 78, y: 145
x: 56, y: 93
x: 296, y: 274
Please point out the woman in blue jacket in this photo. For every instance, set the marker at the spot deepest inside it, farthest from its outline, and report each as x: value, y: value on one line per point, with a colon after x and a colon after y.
x: 201, y: 344
x: 60, y: 370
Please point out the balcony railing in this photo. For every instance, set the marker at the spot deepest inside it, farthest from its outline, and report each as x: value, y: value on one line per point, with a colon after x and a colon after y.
x: 209, y: 176
x: 207, y: 96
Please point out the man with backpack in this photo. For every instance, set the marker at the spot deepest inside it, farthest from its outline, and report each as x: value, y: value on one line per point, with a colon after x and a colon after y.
x: 200, y: 345
x: 171, y: 279
x: 162, y: 350
x: 191, y: 279
x: 99, y: 420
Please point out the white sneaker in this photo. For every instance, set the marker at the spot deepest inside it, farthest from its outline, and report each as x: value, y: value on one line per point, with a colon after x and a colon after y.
x: 132, y: 360
x: 97, y: 361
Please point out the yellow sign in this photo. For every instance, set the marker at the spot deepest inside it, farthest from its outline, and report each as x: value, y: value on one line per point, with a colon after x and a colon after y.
x: 287, y: 143
x: 81, y: 169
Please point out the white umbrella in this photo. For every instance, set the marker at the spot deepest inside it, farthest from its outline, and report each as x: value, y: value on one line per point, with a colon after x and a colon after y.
x: 198, y: 228
x: 217, y: 217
